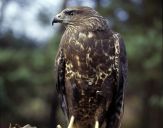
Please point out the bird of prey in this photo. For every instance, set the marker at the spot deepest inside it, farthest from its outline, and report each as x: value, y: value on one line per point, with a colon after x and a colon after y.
x: 91, y: 70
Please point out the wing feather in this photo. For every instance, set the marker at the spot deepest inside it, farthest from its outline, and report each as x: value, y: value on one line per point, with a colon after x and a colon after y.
x: 60, y: 86
x: 116, y: 108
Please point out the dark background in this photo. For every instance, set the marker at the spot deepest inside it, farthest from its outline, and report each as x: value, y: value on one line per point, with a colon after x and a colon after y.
x: 27, y: 84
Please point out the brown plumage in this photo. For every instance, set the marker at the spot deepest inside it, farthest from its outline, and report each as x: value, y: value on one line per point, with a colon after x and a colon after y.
x: 92, y: 69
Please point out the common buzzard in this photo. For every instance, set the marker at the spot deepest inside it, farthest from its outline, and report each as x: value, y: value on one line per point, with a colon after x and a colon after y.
x: 91, y: 68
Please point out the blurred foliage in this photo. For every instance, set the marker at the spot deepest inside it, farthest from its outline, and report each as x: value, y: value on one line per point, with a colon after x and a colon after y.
x: 27, y: 75
x: 26, y: 83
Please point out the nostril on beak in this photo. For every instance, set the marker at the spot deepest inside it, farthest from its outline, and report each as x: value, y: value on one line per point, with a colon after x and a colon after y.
x: 58, y: 16
x: 57, y: 19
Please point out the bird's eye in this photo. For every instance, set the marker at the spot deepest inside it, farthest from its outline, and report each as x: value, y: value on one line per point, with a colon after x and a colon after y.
x: 69, y: 12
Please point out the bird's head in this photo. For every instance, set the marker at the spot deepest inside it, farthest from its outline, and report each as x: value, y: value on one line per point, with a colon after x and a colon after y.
x: 77, y: 16
x: 74, y: 14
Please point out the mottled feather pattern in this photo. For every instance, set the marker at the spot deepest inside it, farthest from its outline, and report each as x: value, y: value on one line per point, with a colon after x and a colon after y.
x: 95, y: 71
x: 89, y: 68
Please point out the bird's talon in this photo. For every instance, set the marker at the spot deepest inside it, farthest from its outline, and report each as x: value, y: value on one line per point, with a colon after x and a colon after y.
x: 71, y: 122
x: 58, y: 126
x: 96, y: 124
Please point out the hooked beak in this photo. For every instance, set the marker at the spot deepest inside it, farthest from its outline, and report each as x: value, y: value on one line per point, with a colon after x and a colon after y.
x: 57, y: 19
